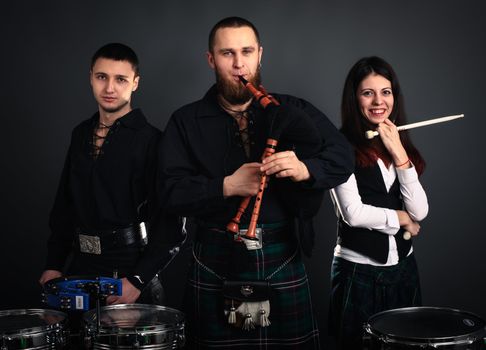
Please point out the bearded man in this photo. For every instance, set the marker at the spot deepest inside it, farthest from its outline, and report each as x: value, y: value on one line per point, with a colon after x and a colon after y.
x: 244, y: 293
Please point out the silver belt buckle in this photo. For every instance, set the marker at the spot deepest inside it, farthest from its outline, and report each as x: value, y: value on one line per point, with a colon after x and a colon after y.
x: 89, y: 244
x: 251, y: 244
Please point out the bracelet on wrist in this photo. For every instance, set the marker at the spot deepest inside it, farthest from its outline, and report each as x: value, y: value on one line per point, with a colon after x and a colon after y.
x: 402, y: 164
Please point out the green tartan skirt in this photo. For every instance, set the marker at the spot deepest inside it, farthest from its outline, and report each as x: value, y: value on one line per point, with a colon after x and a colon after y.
x: 359, y: 291
x: 293, y: 325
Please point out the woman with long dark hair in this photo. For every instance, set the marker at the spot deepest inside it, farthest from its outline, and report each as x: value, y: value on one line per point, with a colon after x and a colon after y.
x: 379, y: 207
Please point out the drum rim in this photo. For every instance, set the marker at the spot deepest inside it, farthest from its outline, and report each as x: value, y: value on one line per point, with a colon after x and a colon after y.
x: 32, y: 331
x: 456, y: 339
x: 154, y: 329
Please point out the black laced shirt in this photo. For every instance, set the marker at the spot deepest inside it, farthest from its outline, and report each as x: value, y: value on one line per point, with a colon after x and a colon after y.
x: 107, y: 187
x: 203, y: 144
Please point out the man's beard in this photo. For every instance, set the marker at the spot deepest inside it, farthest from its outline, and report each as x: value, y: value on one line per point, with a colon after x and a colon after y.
x: 235, y: 92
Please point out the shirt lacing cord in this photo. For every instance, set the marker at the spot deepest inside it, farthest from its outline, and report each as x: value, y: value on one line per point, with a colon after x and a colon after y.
x: 243, y: 134
x: 100, y: 133
x: 242, y: 121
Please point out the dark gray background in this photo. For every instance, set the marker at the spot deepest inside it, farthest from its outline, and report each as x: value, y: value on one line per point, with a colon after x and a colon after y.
x: 437, y: 48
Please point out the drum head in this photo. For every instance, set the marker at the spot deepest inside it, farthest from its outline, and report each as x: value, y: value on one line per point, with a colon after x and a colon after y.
x: 127, y: 318
x: 422, y: 324
x: 22, y: 321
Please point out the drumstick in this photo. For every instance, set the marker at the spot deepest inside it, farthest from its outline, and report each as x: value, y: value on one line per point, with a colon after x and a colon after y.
x: 371, y: 133
x: 407, y: 235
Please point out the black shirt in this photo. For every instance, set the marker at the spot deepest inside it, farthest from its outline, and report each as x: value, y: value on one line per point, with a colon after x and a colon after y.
x: 113, y: 190
x: 202, y: 145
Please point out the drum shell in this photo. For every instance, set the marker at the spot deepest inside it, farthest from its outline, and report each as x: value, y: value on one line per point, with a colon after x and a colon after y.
x: 425, y: 328
x: 33, y: 329
x: 165, y: 331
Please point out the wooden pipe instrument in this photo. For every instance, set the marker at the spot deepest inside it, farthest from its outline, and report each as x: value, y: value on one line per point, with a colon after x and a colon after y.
x: 233, y: 226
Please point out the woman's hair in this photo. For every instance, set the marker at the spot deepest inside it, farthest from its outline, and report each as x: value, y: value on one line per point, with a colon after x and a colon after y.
x: 354, y: 125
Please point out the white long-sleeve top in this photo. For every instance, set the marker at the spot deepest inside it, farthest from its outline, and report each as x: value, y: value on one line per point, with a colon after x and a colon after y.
x: 355, y: 213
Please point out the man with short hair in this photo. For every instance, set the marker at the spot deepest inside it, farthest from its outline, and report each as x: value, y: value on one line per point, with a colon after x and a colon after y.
x: 249, y: 292
x: 106, y: 191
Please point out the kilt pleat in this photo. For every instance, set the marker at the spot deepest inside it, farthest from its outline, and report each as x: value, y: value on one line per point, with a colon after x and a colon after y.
x: 293, y: 325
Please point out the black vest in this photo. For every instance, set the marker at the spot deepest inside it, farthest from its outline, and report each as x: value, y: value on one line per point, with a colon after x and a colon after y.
x: 372, y: 243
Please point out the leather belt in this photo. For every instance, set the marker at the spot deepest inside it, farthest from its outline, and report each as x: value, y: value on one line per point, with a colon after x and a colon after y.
x: 96, y: 241
x: 269, y: 235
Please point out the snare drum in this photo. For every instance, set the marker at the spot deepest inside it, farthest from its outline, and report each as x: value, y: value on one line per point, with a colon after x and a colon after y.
x: 425, y: 328
x: 33, y: 329
x: 134, y: 326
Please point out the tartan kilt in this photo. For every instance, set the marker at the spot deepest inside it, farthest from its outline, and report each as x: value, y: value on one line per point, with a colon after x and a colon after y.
x: 293, y: 325
x: 359, y: 291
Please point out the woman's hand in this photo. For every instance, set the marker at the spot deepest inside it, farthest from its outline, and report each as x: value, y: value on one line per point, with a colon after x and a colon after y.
x: 407, y: 223
x: 391, y: 140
